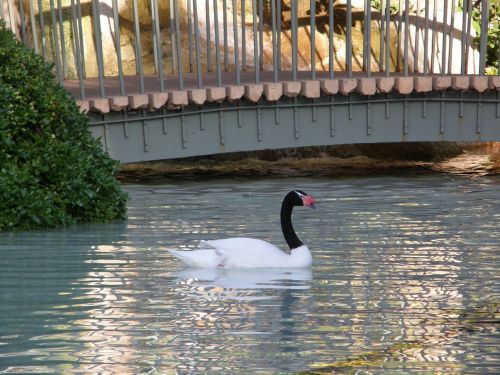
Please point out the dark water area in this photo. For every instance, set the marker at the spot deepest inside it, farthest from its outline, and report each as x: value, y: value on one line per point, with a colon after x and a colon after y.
x: 405, y: 278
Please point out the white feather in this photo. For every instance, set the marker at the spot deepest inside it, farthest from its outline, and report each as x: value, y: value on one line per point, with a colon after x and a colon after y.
x: 243, y: 252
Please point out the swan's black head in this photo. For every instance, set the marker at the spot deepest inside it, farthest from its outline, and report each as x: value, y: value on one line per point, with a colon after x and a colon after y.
x: 300, y: 198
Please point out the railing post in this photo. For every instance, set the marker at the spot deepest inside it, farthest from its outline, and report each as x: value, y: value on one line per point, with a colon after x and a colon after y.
x: 312, y: 17
x: 98, y: 45
x: 368, y: 36
x: 255, y: 42
x: 116, y: 20
x: 348, y: 55
x: 443, y: 48
x: 197, y: 44
x: 217, y: 45
x: 294, y: 39
x: 274, y: 36
x: 484, y: 35
x: 236, y: 46
x: 331, y: 67
x: 388, y: 37
x: 78, y: 52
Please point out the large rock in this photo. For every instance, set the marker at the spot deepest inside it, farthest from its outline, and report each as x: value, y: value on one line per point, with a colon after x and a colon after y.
x: 169, y: 50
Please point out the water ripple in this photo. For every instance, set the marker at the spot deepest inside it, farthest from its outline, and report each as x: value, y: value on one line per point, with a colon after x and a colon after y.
x: 405, y: 279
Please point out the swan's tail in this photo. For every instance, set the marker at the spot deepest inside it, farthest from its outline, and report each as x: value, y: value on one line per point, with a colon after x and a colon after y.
x: 206, y: 258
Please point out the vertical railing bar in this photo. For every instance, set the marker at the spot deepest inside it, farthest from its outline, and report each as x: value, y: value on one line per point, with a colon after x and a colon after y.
x: 273, y: 29
x: 400, y: 22
x: 243, y: 37
x: 80, y: 34
x: 63, y: 44
x: 451, y: 36
x: 138, y: 48
x: 56, y: 42
x: 175, y: 57
x: 462, y: 40
x: 443, y: 52
x: 255, y: 42
x: 116, y: 22
x: 388, y: 37
x: 294, y: 39
x: 330, y: 39
x: 2, y: 15
x: 197, y: 44
x: 312, y: 19
x: 42, y: 30
x: 468, y: 36
x: 217, y: 45
x: 209, y: 32
x: 426, y: 37
x: 24, y: 36
x: 368, y: 38
x: 417, y: 38
x: 348, y: 54
x: 78, y: 59
x: 484, y: 36
x: 224, y: 18
x: 278, y: 25
x: 190, y: 35
x: 98, y: 47
x: 180, y: 69
x: 381, y: 34
x: 33, y: 26
x: 365, y: 18
x: 434, y: 36
x: 236, y: 46
x: 407, y: 35
x: 261, y: 35
x: 159, y: 53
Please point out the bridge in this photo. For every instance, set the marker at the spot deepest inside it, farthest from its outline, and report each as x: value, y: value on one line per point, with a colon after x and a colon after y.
x: 162, y: 80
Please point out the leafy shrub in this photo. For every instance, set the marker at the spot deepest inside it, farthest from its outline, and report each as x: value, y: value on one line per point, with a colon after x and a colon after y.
x: 52, y: 171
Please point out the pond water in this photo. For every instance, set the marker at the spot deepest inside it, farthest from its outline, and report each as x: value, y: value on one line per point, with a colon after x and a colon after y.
x: 405, y: 278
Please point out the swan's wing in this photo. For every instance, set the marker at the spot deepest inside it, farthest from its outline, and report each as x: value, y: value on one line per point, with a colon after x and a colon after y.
x: 205, y: 258
x: 243, y: 252
x: 243, y: 245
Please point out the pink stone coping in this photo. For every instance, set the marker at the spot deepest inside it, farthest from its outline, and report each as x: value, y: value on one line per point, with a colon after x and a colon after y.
x: 310, y: 89
x: 385, y: 84
x: 273, y: 91
x: 347, y: 85
x: 254, y: 91
x: 404, y: 85
x: 422, y: 84
x: 367, y: 86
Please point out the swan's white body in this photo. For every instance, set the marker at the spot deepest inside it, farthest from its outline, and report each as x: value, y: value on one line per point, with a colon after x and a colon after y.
x: 243, y: 252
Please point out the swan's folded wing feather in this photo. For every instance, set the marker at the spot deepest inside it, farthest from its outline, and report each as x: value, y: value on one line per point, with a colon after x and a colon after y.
x: 205, y: 258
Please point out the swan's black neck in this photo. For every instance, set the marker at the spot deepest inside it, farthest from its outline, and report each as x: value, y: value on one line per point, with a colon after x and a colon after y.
x: 286, y: 225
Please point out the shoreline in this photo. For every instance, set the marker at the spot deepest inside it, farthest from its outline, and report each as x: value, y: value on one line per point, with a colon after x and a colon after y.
x: 466, y: 164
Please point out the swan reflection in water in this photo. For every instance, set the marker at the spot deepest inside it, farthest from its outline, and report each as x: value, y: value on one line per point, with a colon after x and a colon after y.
x: 235, y: 279
x: 227, y: 308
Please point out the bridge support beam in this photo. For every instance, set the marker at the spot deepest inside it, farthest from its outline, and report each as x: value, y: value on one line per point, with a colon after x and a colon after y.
x: 298, y: 122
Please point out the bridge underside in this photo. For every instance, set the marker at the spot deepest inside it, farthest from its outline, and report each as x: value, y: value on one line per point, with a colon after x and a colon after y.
x: 298, y: 122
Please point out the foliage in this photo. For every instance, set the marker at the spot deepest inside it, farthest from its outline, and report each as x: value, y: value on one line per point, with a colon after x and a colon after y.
x: 52, y: 171
x: 493, y: 39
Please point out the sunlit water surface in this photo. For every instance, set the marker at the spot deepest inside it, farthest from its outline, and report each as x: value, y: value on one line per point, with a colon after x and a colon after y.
x: 404, y: 269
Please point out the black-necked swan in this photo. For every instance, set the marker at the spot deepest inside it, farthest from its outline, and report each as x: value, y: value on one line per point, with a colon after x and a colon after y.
x: 242, y: 252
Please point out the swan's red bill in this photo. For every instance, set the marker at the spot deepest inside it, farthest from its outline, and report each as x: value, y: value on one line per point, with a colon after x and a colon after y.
x: 309, y: 201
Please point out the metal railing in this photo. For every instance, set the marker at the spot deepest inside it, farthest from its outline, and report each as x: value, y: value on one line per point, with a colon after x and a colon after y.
x: 177, y: 44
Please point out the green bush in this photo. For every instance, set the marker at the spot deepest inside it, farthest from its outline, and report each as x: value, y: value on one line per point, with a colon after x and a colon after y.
x: 52, y: 171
